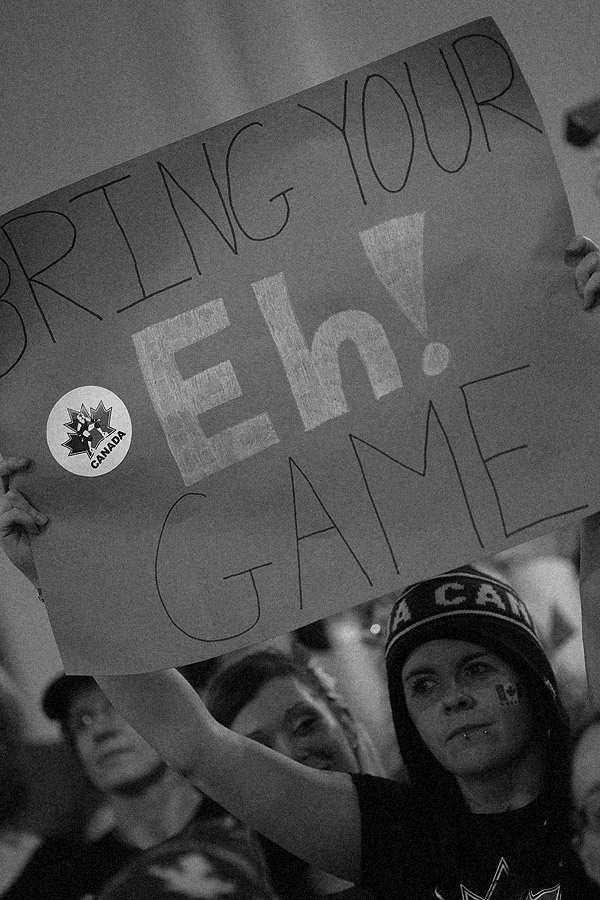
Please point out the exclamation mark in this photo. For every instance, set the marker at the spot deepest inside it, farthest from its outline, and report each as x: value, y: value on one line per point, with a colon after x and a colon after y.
x: 395, y: 250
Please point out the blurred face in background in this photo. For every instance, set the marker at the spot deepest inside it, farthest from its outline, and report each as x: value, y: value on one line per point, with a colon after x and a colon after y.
x: 286, y: 716
x: 113, y: 755
x: 585, y: 788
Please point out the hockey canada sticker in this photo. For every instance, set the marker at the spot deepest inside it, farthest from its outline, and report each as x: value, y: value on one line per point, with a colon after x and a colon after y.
x: 89, y: 431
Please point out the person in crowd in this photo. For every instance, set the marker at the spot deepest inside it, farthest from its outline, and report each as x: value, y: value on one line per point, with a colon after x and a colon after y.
x: 482, y: 733
x: 585, y: 793
x: 13, y: 770
x: 478, y: 719
x: 203, y: 868
x: 483, y: 736
x: 15, y: 845
x: 150, y: 803
x: 292, y: 707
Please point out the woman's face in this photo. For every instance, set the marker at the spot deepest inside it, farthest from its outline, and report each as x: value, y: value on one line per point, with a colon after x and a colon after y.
x: 469, y: 707
x: 585, y: 787
x: 286, y: 716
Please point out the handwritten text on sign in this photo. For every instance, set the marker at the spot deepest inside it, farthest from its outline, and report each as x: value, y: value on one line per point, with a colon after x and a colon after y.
x: 286, y: 365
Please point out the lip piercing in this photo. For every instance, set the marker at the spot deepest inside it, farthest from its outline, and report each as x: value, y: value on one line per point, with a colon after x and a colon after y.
x: 467, y: 736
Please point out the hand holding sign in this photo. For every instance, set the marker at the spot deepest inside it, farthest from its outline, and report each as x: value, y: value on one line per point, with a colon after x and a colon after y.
x: 19, y: 520
x: 584, y: 256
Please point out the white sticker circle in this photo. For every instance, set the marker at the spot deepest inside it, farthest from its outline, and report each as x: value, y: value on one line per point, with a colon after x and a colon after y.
x: 89, y: 431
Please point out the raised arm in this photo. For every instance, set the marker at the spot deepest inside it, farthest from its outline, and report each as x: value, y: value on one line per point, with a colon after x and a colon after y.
x: 313, y: 814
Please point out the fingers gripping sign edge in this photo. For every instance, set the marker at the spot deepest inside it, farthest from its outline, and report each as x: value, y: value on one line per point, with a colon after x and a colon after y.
x: 577, y: 248
x: 9, y: 467
x: 12, y: 465
x: 19, y: 520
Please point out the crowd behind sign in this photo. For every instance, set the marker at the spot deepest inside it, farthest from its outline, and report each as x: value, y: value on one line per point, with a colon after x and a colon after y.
x: 291, y: 363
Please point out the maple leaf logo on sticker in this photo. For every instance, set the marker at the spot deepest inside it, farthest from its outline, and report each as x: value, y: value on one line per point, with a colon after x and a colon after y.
x: 89, y: 429
x: 98, y: 431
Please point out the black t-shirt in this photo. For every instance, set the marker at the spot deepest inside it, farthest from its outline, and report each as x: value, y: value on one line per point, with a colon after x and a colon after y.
x: 216, y: 861
x: 419, y: 850
x: 71, y: 870
x: 67, y: 869
x: 291, y: 877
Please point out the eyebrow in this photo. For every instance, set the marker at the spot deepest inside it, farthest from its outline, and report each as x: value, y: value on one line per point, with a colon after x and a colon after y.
x: 429, y: 670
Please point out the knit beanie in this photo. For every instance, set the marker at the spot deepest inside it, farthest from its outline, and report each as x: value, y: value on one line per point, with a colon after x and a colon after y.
x: 469, y: 605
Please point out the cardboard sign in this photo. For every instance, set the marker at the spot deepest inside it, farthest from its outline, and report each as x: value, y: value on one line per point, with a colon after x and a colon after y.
x: 291, y: 363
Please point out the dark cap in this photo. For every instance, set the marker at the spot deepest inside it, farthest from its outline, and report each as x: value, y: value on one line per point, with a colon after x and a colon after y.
x: 60, y: 694
x: 464, y: 599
